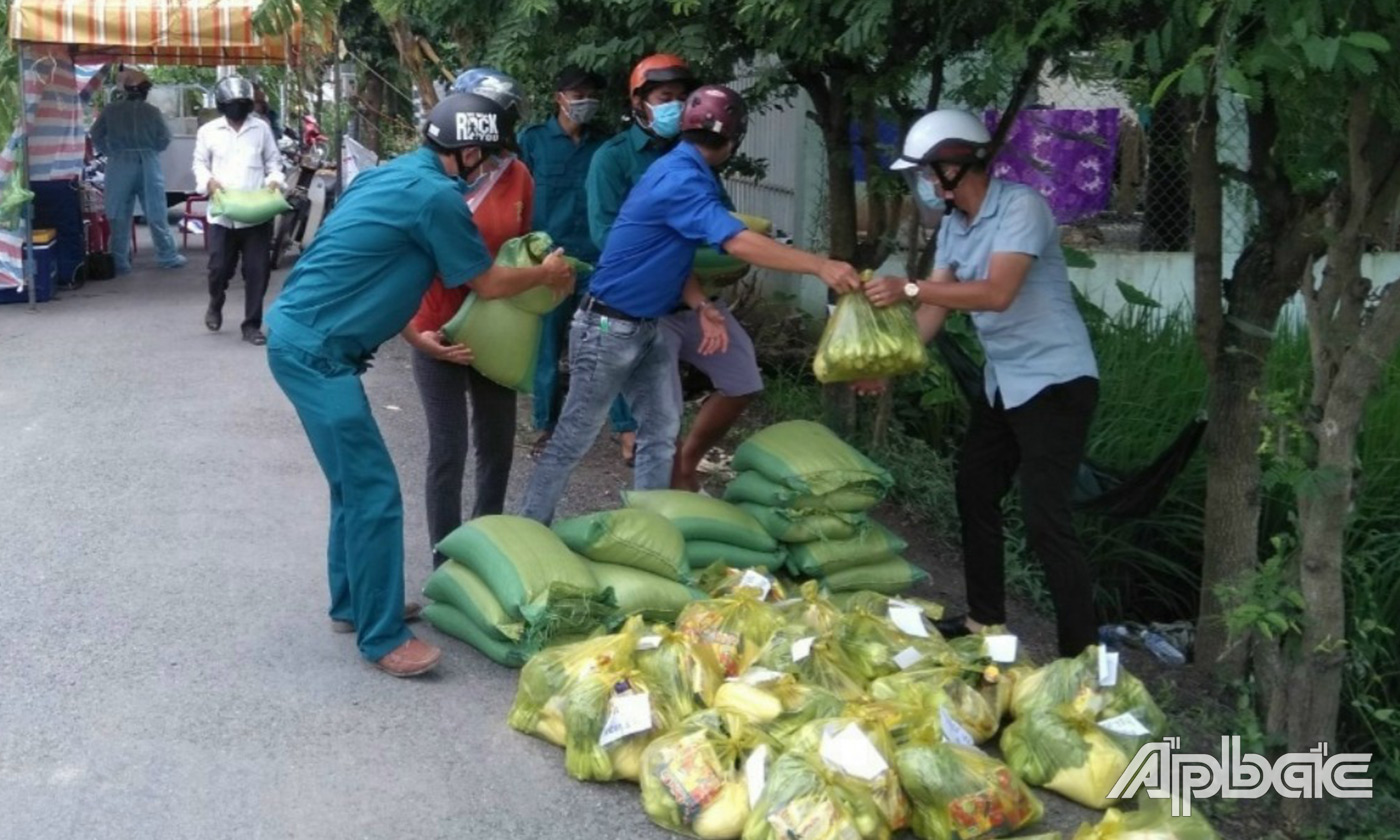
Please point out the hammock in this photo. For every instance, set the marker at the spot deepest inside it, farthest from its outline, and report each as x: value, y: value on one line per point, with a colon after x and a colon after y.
x: 1098, y: 489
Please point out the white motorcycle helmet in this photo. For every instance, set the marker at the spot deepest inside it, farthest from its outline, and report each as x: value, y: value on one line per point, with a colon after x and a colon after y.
x: 930, y: 136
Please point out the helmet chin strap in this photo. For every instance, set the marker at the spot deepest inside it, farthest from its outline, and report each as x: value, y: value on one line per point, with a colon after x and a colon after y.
x: 462, y: 170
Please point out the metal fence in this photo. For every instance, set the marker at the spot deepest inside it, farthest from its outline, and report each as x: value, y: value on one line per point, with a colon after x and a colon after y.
x: 1117, y: 176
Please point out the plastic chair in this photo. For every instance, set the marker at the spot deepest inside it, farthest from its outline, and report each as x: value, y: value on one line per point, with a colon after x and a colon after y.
x: 191, y: 215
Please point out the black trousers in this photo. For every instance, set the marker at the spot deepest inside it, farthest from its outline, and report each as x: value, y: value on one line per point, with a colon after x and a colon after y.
x: 444, y: 388
x: 1044, y: 441
x: 254, y: 245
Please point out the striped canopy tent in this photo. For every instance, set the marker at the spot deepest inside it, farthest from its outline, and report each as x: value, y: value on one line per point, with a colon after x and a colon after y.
x: 183, y: 32
x: 62, y: 43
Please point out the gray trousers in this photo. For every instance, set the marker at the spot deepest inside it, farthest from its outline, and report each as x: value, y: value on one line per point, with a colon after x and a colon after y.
x: 444, y: 388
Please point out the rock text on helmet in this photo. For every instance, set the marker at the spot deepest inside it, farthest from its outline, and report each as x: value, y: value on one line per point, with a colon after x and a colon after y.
x: 479, y: 128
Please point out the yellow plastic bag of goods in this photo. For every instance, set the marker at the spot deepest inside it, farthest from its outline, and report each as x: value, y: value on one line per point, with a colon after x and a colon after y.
x: 735, y: 628
x: 809, y: 458
x: 811, y: 609
x: 521, y: 561
x: 793, y: 526
x: 722, y: 581
x: 861, y: 750
x: 538, y: 708
x: 940, y: 691
x: 640, y: 593
x: 877, y: 648
x: 610, y: 715
x: 959, y: 792
x: 1153, y: 822
x: 1078, y: 681
x: 681, y: 670
x: 703, y: 518
x: 753, y: 487
x: 631, y: 537
x: 879, y: 605
x: 777, y: 701
x: 693, y: 778
x: 701, y: 554
x: 814, y: 658
x: 820, y: 559
x: 863, y: 341
x: 891, y: 576
x: 803, y: 797
x: 994, y: 680
x: 249, y: 207
x: 1068, y: 752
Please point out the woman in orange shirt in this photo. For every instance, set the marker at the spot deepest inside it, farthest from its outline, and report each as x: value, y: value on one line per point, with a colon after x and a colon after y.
x: 501, y: 196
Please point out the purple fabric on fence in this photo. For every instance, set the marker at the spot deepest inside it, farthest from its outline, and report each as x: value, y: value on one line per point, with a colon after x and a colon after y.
x: 1067, y: 155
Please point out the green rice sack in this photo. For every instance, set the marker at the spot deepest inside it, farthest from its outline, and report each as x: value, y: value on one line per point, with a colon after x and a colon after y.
x: 703, y: 518
x: 810, y: 458
x: 704, y: 553
x: 249, y: 207
x: 820, y: 559
x: 635, y: 537
x: 791, y: 526
x: 888, y: 577
x: 754, y: 487
x: 637, y: 592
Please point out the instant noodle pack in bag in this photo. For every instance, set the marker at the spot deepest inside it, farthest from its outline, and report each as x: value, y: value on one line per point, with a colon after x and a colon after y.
x: 734, y: 628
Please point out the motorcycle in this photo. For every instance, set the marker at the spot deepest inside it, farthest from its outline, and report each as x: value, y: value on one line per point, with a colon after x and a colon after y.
x: 303, y: 159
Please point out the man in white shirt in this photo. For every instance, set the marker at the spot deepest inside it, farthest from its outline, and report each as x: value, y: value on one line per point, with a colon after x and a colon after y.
x: 237, y: 153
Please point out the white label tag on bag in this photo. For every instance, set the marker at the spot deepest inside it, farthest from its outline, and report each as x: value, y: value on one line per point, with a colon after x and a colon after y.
x: 1108, y: 667
x: 753, y: 580
x: 1125, y: 724
x: 757, y: 676
x: 756, y: 773
x: 802, y: 648
x: 908, y: 618
x: 649, y: 643
x: 953, y: 732
x: 1002, y: 648
x: 628, y: 714
x: 852, y: 753
x: 906, y: 658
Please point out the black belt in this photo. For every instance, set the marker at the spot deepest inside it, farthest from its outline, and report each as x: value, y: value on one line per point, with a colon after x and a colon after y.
x: 592, y: 304
x: 685, y: 307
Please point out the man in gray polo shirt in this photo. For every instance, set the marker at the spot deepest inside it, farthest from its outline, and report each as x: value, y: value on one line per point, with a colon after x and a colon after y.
x: 999, y: 257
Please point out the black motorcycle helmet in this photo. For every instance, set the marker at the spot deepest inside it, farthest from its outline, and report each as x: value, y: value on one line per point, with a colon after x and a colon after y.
x: 468, y: 121
x: 233, y: 96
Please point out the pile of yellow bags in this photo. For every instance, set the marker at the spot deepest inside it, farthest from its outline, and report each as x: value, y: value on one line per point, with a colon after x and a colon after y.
x: 765, y: 717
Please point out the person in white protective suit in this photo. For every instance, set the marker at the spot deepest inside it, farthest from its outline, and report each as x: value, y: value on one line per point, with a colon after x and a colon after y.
x: 131, y: 132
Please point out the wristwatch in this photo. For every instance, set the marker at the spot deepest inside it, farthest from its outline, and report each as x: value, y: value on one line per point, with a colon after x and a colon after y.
x: 911, y: 290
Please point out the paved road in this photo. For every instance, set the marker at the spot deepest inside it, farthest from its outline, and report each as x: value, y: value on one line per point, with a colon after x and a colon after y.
x: 166, y: 670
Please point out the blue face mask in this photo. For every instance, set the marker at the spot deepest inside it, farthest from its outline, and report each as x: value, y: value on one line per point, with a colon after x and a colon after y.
x: 928, y: 196
x: 666, y: 119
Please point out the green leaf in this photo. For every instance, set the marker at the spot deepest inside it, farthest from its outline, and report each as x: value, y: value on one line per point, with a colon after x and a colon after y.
x: 1154, y: 52
x: 1204, y: 14
x: 1384, y: 715
x: 1322, y: 52
x: 1237, y: 81
x: 1193, y: 80
x: 1075, y: 258
x: 1362, y: 61
x: 1165, y: 85
x: 1373, y: 41
x: 1135, y: 297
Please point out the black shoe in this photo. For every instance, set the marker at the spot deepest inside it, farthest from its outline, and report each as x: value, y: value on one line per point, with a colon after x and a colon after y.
x: 213, y: 319
x: 952, y: 628
x: 254, y: 337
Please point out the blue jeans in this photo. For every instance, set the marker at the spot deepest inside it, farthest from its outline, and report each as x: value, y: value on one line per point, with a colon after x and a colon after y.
x: 133, y: 175
x: 548, y: 401
x: 608, y: 357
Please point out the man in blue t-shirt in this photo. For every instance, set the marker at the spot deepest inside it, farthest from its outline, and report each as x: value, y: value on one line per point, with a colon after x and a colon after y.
x: 615, y: 346
x: 356, y: 287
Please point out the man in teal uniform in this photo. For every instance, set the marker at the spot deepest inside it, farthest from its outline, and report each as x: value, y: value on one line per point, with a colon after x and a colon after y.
x: 357, y: 286
x: 558, y: 153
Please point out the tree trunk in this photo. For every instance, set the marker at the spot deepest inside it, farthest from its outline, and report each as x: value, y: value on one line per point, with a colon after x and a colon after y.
x: 840, y: 171
x: 1207, y: 206
x: 1166, y: 224
x: 372, y: 112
